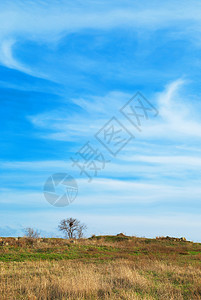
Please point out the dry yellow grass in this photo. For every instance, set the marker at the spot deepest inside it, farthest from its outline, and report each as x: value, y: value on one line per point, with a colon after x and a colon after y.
x: 101, y: 268
x: 120, y: 279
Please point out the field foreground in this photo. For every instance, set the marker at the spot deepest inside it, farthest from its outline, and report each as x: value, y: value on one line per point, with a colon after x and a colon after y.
x: 109, y: 267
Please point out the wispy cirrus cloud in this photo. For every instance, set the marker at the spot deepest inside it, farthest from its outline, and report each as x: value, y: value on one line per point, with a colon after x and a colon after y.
x: 31, y: 18
x: 29, y: 21
x: 177, y: 117
x: 7, y: 58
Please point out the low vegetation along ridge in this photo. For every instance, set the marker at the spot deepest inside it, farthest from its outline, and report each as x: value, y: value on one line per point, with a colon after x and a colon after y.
x: 101, y: 267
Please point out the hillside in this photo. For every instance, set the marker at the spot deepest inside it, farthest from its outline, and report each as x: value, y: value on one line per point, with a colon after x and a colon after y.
x: 103, y: 267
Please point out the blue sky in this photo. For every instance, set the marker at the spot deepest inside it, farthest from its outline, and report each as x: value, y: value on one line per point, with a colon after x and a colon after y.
x: 66, y: 69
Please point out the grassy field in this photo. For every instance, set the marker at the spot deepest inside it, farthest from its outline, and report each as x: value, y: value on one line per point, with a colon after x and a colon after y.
x: 109, y: 267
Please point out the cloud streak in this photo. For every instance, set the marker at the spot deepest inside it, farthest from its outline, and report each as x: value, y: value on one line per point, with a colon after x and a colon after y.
x: 30, y: 21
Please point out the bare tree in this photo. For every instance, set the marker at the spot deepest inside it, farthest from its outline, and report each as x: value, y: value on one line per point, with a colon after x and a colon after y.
x: 80, y: 230
x: 32, y: 233
x: 72, y: 228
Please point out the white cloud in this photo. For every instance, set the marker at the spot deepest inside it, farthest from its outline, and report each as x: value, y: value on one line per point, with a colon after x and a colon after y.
x: 177, y: 120
x: 103, y: 191
x: 49, y: 22
x: 71, y: 126
x: 32, y: 17
x: 177, y: 117
x: 166, y: 160
x: 7, y: 59
x: 30, y: 165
